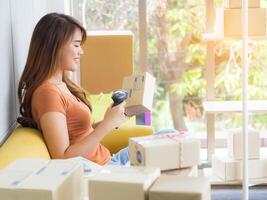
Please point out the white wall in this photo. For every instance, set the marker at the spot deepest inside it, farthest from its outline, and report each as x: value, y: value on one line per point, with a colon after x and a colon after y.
x: 7, y: 88
x: 17, y: 19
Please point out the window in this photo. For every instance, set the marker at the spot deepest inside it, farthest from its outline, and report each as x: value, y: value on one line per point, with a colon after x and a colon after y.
x: 176, y: 56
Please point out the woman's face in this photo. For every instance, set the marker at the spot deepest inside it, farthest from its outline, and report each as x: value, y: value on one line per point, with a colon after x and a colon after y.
x: 71, y: 52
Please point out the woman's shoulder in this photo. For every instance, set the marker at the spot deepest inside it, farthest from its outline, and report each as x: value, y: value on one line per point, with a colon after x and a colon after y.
x: 46, y: 89
x: 47, y: 98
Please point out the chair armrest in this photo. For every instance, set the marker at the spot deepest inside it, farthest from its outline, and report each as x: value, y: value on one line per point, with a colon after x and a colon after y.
x: 23, y: 143
x: 29, y: 143
x: 118, y: 138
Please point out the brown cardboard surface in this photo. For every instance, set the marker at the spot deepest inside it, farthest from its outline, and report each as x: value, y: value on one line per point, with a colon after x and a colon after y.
x: 238, y: 3
x: 229, y: 22
x: 108, y: 57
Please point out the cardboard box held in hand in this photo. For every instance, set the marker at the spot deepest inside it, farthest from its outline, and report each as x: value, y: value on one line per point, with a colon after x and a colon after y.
x: 140, y: 90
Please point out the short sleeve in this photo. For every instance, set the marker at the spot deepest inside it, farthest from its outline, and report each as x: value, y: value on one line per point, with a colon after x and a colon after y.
x: 47, y: 99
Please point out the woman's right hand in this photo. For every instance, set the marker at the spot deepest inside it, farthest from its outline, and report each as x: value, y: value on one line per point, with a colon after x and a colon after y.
x: 115, y: 116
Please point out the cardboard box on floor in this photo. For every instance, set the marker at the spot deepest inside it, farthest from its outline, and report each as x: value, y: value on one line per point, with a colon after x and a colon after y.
x: 121, y: 183
x: 164, y: 151
x: 184, y: 172
x: 238, y: 4
x: 229, y: 22
x: 170, y: 187
x: 140, y: 90
x: 235, y: 144
x: 43, y: 180
x: 228, y: 169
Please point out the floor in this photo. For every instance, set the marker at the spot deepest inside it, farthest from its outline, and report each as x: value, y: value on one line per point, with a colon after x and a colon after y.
x: 232, y: 192
x: 235, y: 193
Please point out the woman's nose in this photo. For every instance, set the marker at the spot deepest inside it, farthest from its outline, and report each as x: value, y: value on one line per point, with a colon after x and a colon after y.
x: 81, y: 50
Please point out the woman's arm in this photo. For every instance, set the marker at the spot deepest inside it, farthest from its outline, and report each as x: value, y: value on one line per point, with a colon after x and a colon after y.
x: 55, y: 131
x: 96, y: 124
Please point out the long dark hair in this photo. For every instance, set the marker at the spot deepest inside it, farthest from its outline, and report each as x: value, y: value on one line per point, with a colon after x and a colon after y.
x: 50, y: 34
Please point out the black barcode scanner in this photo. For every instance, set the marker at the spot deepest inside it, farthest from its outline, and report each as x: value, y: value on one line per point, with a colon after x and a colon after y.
x: 118, y: 97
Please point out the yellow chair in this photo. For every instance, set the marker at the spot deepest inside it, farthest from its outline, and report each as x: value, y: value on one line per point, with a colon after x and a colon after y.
x: 23, y: 143
x: 29, y: 143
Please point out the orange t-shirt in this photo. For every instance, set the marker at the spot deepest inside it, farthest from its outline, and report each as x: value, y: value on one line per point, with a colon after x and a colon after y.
x: 49, y: 98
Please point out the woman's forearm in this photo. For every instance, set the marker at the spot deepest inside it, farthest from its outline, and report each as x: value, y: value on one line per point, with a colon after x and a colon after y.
x: 88, y: 145
x: 96, y: 124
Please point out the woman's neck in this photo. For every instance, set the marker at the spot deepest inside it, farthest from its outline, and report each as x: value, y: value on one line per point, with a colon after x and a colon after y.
x: 56, y: 79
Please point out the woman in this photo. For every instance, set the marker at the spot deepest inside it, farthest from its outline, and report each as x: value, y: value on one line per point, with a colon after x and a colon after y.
x: 51, y: 102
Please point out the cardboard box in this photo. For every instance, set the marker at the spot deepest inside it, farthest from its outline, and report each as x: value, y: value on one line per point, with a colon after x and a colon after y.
x: 238, y: 4
x: 169, y: 187
x: 140, y: 90
x: 27, y: 165
x: 164, y: 151
x: 89, y: 169
x: 229, y: 22
x: 231, y: 170
x: 121, y: 183
x: 235, y: 144
x: 54, y: 180
x: 184, y: 172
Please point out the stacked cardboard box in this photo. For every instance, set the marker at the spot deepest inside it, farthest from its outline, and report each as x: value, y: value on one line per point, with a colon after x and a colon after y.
x: 120, y: 183
x: 167, y: 151
x: 235, y: 144
x: 169, y: 187
x: 229, y: 19
x: 42, y: 179
x: 229, y: 167
x: 143, y: 183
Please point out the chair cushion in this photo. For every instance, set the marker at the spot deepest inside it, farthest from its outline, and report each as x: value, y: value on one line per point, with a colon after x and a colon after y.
x: 23, y: 143
x: 118, y: 138
x: 100, y: 103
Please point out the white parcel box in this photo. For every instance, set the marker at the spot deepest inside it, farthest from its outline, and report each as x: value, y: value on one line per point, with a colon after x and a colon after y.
x: 121, y: 183
x: 229, y: 22
x: 55, y: 180
x: 170, y: 187
x: 231, y: 170
x: 235, y: 144
x: 238, y: 4
x: 183, y: 172
x: 164, y: 151
x: 140, y: 90
x: 27, y: 165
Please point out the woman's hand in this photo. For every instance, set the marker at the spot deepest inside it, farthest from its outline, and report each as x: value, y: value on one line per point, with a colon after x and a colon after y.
x: 115, y: 116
